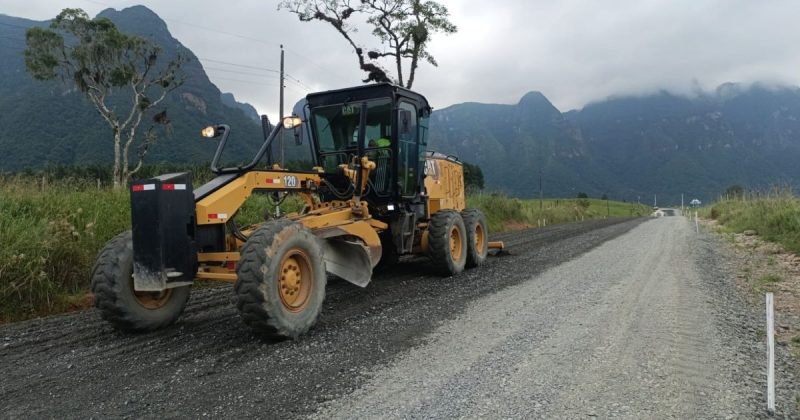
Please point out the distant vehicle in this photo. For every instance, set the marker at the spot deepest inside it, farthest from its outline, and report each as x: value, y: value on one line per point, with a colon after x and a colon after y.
x: 695, y: 203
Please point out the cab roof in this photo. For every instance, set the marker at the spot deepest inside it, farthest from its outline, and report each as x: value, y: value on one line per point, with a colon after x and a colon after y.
x: 364, y: 92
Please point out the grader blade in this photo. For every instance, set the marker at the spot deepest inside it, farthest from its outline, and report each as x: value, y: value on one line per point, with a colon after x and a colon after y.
x: 348, y: 260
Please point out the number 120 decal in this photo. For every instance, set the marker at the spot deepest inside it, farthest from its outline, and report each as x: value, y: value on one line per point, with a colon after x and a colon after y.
x: 290, y: 181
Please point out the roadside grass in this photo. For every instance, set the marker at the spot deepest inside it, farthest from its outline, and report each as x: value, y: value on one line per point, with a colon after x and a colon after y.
x: 505, y: 213
x: 51, y: 232
x: 775, y: 217
x: 764, y: 283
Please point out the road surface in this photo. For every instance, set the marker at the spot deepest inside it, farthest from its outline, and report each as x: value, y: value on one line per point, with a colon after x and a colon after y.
x: 629, y: 318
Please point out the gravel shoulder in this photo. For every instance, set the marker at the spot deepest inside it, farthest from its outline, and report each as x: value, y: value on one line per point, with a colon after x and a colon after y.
x: 607, y: 317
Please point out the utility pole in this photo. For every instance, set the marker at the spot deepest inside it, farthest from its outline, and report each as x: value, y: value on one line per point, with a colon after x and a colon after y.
x: 280, y: 117
x: 655, y: 200
x: 681, y: 202
x: 608, y: 206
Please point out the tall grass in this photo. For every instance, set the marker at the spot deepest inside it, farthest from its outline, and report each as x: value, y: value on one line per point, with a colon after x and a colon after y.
x: 52, y: 230
x: 49, y: 236
x: 775, y: 216
x: 504, y: 213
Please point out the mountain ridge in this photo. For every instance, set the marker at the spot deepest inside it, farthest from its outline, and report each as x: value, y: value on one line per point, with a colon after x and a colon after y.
x: 626, y: 146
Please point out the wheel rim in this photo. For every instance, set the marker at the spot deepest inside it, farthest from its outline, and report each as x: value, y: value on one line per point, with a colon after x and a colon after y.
x: 480, y: 238
x: 296, y: 280
x: 455, y: 244
x: 151, y: 300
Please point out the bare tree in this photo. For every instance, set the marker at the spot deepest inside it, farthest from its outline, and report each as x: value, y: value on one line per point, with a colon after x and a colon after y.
x: 101, y: 62
x: 403, y: 27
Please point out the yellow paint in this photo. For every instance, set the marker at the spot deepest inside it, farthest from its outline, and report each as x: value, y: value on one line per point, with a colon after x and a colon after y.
x: 445, y: 185
x: 228, y: 199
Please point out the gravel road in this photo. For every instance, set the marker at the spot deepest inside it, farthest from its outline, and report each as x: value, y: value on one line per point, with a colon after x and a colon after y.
x: 628, y: 318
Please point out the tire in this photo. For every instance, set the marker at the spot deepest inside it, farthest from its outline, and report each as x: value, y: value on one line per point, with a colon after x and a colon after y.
x: 447, y: 242
x: 119, y: 303
x: 274, y: 305
x: 477, y: 237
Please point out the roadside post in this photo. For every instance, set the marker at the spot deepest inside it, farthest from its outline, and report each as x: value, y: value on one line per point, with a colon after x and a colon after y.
x: 696, y: 223
x: 770, y: 356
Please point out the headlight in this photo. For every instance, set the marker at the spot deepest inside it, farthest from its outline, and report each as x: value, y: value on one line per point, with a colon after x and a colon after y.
x: 291, y: 122
x: 209, y: 132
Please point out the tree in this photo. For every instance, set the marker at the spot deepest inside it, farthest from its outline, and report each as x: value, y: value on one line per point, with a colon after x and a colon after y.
x: 119, y: 74
x: 582, y: 195
x: 473, y: 177
x: 404, y: 26
x: 604, y: 197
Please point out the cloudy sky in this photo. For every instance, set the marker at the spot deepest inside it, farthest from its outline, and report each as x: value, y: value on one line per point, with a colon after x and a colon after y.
x: 574, y: 52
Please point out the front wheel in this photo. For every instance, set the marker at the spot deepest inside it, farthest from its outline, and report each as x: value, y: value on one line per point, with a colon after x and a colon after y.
x: 447, y: 242
x: 125, y: 308
x: 281, y: 279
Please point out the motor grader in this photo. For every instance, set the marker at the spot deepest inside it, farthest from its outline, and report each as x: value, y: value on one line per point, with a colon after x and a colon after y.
x: 371, y: 193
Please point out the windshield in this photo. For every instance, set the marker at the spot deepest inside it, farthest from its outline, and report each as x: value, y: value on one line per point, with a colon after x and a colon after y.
x: 336, y: 126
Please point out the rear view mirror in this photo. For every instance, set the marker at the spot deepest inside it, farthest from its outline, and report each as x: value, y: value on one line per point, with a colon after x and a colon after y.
x: 298, y: 137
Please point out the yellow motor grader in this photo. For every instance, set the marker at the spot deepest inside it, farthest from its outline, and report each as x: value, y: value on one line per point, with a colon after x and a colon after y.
x: 372, y: 192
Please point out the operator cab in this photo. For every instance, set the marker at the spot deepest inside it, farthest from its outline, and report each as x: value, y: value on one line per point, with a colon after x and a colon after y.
x: 395, y: 137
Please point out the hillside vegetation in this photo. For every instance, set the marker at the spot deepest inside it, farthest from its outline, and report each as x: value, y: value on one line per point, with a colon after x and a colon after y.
x: 52, y: 228
x: 774, y: 216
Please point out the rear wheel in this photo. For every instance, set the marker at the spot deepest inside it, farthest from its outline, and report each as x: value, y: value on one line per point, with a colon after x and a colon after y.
x: 447, y: 242
x: 118, y: 302
x: 477, y: 237
x: 281, y: 279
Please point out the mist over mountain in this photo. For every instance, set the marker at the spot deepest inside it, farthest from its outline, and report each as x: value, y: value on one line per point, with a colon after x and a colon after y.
x: 631, y: 147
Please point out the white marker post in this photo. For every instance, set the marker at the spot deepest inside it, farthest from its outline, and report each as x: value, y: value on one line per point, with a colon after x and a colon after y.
x: 770, y: 357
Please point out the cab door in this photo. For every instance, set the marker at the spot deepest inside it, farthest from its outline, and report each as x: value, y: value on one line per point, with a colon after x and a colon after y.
x: 407, y: 149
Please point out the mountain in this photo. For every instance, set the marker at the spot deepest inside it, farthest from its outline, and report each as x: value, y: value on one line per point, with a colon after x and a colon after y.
x: 631, y: 147
x: 628, y: 148
x: 229, y: 100
x: 44, y: 123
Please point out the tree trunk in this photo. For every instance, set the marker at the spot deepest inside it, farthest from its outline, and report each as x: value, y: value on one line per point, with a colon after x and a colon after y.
x: 117, y: 176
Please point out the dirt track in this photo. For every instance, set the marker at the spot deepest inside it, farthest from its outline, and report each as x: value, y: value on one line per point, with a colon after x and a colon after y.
x: 210, y: 363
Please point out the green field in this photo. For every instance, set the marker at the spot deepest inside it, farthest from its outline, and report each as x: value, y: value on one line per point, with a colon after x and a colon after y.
x: 774, y: 216
x: 51, y: 232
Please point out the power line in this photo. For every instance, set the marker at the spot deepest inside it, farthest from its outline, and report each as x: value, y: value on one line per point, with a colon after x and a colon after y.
x: 255, y: 83
x: 241, y: 72
x: 245, y: 81
x: 240, y: 65
x: 245, y: 66
x: 248, y: 38
x: 245, y: 37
